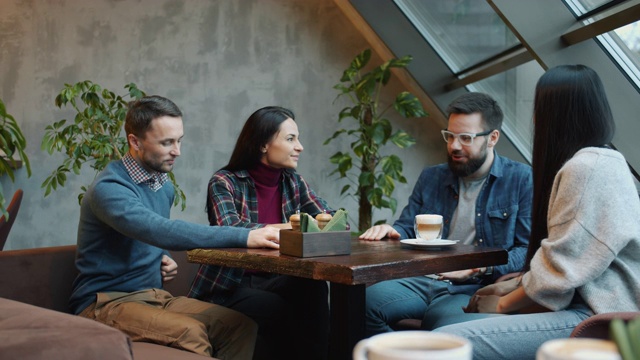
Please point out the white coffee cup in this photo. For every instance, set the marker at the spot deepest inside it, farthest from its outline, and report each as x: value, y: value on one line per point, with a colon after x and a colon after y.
x: 428, y: 226
x: 413, y: 345
x: 578, y: 349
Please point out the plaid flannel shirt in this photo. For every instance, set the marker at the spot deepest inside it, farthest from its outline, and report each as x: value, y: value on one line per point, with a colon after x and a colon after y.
x: 232, y: 201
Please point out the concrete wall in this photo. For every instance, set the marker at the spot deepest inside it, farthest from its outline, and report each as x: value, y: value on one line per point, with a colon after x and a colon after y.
x: 218, y: 60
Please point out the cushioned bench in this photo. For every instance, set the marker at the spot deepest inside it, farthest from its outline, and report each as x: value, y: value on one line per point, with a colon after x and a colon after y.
x: 39, y: 283
x: 33, y: 332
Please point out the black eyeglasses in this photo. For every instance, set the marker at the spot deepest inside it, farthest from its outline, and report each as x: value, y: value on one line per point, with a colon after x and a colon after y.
x: 464, y: 138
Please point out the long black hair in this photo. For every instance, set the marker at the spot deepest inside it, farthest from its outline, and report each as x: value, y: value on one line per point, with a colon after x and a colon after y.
x: 570, y: 112
x: 259, y: 129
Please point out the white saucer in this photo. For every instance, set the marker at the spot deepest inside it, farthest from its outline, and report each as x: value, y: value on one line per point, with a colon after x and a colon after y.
x: 429, y: 244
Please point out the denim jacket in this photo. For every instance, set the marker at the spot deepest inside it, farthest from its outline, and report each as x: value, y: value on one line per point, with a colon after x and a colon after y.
x: 503, y: 207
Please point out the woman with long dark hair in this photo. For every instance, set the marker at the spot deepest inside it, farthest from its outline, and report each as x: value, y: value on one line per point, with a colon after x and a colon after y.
x: 583, y: 252
x: 259, y: 187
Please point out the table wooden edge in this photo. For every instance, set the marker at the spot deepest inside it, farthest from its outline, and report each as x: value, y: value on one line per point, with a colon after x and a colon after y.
x: 264, y: 260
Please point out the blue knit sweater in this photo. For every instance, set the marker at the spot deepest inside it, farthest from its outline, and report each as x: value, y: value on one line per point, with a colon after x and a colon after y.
x: 123, y: 230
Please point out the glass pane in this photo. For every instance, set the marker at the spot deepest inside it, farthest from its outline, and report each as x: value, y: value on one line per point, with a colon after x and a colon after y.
x: 463, y: 32
x: 623, y: 44
x: 514, y: 91
x: 584, y: 6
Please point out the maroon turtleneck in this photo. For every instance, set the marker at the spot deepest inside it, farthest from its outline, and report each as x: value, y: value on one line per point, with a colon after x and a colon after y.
x: 267, y: 180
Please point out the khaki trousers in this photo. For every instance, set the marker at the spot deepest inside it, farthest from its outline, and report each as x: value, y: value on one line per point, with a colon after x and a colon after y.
x: 156, y: 316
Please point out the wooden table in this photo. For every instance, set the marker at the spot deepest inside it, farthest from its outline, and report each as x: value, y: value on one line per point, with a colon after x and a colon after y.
x: 369, y: 262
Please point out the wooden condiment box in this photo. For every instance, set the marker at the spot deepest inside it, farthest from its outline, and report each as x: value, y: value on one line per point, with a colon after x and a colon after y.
x: 309, y: 244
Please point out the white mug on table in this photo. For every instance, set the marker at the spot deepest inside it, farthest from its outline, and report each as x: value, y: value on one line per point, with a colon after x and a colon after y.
x: 578, y: 349
x: 413, y: 345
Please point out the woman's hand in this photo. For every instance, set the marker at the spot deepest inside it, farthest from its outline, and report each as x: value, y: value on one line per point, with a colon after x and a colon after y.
x: 500, y: 288
x: 516, y: 301
x: 266, y: 237
x: 486, y: 299
x: 483, y: 304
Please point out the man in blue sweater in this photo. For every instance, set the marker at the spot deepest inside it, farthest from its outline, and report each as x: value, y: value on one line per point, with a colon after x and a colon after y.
x: 123, y: 237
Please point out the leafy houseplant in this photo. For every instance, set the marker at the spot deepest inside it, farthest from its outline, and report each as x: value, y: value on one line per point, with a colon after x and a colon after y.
x: 95, y: 136
x: 12, y: 143
x: 378, y: 173
x: 626, y: 336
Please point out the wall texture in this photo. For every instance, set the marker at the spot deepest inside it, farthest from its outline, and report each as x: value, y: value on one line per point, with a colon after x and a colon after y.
x: 218, y: 60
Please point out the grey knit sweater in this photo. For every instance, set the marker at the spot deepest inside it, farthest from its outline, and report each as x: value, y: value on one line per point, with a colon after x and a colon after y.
x: 593, y: 245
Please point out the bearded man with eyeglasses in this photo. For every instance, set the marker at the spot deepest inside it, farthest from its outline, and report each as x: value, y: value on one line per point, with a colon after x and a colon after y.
x: 484, y: 199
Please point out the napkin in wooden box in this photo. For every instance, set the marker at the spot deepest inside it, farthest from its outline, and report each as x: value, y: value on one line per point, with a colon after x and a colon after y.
x: 337, y: 223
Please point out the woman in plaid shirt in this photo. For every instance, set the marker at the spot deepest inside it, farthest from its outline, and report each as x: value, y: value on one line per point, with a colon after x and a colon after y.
x: 259, y: 187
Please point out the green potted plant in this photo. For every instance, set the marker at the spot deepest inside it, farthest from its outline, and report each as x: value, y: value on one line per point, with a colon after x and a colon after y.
x: 12, y: 143
x: 376, y: 174
x: 96, y: 134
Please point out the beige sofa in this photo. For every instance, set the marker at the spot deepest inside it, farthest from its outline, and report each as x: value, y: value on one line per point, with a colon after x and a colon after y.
x: 35, y: 285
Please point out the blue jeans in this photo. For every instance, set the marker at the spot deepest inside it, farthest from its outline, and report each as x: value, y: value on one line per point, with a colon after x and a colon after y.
x: 391, y: 301
x: 514, y: 336
x: 449, y: 312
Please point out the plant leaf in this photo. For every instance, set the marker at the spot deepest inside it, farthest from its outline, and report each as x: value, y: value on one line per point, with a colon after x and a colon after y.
x: 408, y: 105
x: 402, y: 140
x: 335, y: 135
x: 95, y: 137
x: 12, y: 143
x: 376, y: 174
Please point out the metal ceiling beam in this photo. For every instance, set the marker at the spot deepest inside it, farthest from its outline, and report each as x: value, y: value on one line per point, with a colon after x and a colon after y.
x: 517, y: 58
x: 621, y: 15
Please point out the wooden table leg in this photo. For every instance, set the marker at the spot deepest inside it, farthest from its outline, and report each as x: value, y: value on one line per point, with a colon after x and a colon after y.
x: 347, y: 319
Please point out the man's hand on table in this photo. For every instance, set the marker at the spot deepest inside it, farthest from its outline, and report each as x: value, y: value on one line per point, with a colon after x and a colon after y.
x: 380, y: 231
x: 286, y: 226
x: 168, y: 268
x: 266, y: 237
x: 461, y: 275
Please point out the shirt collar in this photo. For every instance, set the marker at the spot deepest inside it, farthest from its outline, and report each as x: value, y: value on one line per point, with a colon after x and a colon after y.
x: 140, y: 175
x: 245, y: 173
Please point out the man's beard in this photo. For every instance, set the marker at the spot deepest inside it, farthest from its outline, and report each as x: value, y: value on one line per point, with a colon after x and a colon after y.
x: 472, y: 165
x: 158, y: 166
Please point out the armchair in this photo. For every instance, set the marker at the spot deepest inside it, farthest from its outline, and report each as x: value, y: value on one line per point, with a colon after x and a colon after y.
x: 6, y: 224
x: 597, y: 326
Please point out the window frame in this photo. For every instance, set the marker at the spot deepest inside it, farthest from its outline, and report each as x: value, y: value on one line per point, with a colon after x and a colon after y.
x: 543, y: 44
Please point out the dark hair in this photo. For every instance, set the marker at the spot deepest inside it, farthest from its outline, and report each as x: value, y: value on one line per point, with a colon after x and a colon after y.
x: 142, y: 111
x: 570, y: 112
x: 475, y: 102
x: 259, y: 129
